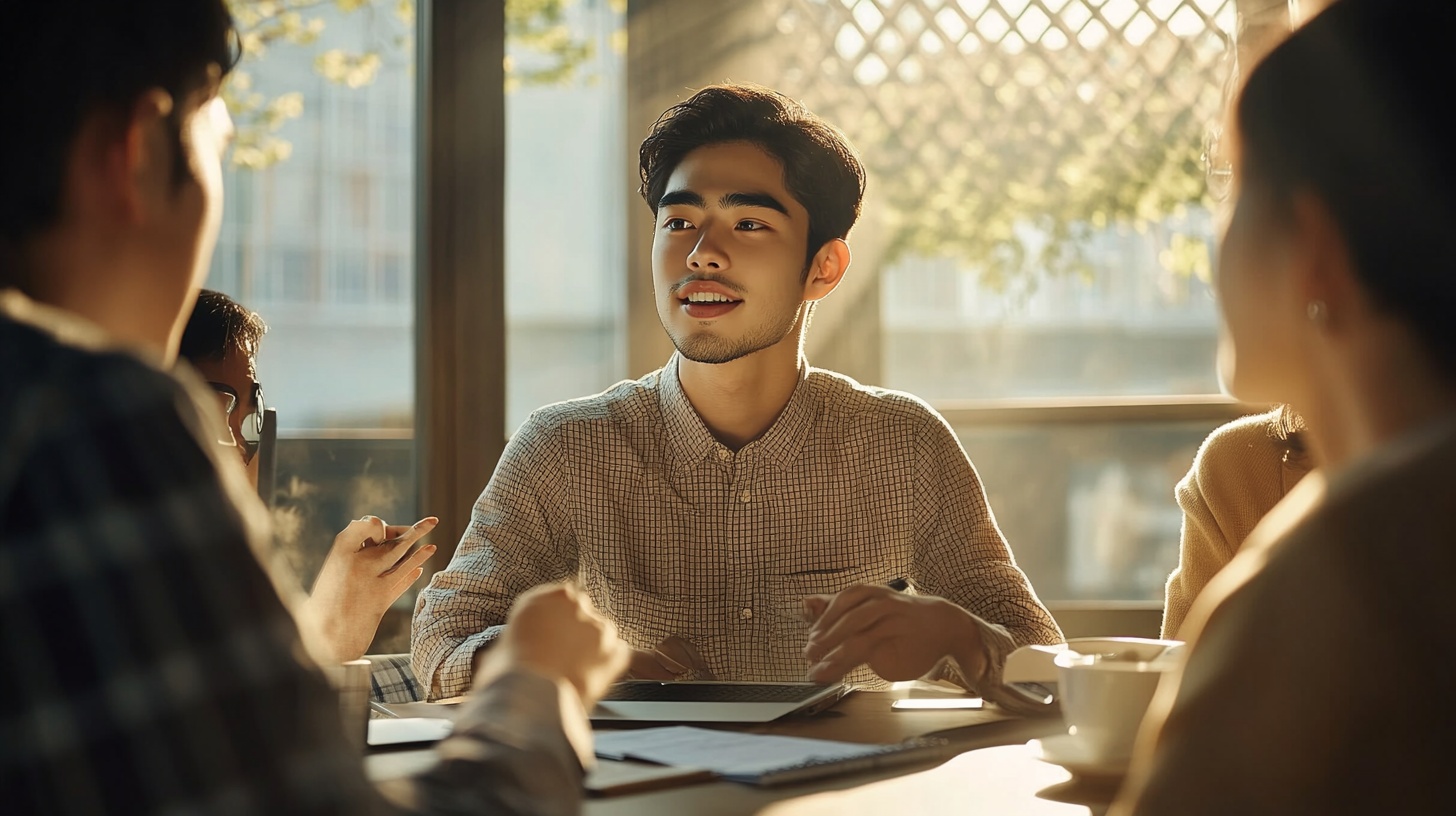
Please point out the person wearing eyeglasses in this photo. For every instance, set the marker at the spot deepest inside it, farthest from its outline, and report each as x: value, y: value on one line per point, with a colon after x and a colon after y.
x: 221, y: 342
x: 370, y: 563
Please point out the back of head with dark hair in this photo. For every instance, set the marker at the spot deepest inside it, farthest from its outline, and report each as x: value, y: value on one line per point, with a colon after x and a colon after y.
x: 220, y: 327
x: 64, y: 60
x: 821, y: 169
x: 1352, y: 108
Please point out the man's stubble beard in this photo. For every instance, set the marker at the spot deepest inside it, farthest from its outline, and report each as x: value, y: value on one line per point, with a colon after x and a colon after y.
x: 705, y: 347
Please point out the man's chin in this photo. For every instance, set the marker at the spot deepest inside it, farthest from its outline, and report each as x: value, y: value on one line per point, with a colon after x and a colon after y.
x: 709, y: 353
x: 709, y: 348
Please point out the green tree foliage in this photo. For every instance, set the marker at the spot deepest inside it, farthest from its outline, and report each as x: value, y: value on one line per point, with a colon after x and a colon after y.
x: 536, y: 26
x: 1006, y: 141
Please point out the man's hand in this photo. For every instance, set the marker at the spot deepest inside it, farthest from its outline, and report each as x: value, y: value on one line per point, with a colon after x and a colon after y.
x: 674, y: 659
x: 554, y: 631
x: 900, y: 636
x: 368, y: 567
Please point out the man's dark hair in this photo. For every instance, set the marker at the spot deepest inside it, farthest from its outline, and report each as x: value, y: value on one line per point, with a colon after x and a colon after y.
x: 220, y: 327
x: 1349, y: 109
x: 821, y: 169
x: 63, y: 62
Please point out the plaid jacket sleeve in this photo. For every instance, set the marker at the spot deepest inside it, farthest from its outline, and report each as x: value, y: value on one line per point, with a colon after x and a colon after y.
x: 152, y: 666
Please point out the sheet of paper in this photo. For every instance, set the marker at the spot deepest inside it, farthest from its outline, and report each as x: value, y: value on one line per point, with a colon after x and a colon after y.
x: 726, y: 752
x: 408, y: 730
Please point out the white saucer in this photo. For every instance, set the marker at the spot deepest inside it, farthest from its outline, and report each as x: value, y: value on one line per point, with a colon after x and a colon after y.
x: 1065, y: 750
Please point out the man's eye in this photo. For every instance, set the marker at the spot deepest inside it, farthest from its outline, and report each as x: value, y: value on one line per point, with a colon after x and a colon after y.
x: 675, y: 224
x: 750, y: 226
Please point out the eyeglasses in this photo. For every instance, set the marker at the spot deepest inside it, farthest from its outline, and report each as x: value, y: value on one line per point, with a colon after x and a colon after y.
x: 1217, y: 168
x: 252, y: 424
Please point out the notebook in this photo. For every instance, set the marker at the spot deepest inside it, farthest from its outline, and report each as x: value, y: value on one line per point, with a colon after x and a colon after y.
x: 706, y: 701
x: 762, y: 759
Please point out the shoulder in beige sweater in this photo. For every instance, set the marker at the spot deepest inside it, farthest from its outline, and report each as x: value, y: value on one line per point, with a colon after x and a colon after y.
x: 1241, y: 471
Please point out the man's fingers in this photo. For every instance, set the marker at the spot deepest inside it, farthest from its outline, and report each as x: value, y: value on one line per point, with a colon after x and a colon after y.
x: 654, y: 665
x: 684, y: 654
x: 844, y: 601
x: 666, y: 662
x: 814, y: 606
x: 851, y: 625
x: 837, y: 663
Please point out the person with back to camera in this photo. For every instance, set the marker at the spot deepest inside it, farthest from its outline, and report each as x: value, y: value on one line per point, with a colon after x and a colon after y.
x: 152, y: 665
x: 1319, y: 664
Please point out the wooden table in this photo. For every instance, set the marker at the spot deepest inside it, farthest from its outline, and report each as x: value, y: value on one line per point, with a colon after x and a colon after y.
x: 997, y: 774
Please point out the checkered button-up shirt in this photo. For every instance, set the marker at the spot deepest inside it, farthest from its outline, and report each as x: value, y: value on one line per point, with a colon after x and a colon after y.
x: 671, y: 533
x: 150, y: 665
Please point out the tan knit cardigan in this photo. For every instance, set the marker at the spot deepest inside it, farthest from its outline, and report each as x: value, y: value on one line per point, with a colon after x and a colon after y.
x: 1241, y: 471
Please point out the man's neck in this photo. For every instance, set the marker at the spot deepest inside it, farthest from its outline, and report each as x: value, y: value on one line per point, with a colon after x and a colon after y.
x: 740, y: 400
x: 131, y: 309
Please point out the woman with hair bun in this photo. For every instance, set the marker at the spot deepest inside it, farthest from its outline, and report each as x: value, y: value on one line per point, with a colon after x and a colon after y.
x: 1318, y: 674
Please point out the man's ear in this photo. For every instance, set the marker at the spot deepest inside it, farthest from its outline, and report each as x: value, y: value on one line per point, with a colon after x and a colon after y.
x: 826, y: 269
x: 135, y: 157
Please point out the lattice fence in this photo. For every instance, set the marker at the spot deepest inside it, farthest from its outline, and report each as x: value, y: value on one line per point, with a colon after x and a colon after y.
x: 1001, y: 130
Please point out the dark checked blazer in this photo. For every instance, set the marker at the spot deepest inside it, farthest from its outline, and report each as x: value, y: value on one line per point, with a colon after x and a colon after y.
x: 149, y: 663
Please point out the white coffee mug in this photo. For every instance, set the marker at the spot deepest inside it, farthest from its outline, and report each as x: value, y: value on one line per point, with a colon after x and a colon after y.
x: 352, y: 679
x: 1104, y: 698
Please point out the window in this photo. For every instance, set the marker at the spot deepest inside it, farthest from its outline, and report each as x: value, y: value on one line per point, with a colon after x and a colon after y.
x: 1036, y: 246
x: 565, y: 222
x: 1033, y: 258
x: 308, y: 245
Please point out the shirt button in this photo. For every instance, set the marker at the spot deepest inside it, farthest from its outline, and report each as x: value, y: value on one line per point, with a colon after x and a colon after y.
x: 745, y: 613
x: 724, y: 454
x: 745, y: 496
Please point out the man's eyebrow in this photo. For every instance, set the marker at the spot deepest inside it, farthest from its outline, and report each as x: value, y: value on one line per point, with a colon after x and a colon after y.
x: 687, y: 197
x: 763, y: 200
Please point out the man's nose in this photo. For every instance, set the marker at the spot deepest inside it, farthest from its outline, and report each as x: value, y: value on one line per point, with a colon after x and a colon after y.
x: 706, y: 255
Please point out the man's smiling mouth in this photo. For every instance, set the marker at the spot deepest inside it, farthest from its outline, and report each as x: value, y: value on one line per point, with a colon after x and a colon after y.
x: 709, y: 297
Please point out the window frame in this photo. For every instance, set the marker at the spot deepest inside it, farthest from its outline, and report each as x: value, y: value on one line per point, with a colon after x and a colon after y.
x: 460, y: 273
x: 460, y: 322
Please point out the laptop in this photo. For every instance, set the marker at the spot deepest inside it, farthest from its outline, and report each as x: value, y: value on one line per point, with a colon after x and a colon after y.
x: 713, y: 701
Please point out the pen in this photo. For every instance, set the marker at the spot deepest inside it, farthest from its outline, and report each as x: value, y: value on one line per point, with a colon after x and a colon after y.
x: 812, y: 612
x: 382, y: 710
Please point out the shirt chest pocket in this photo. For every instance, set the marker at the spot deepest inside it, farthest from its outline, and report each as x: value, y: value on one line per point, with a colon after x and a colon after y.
x: 787, y: 593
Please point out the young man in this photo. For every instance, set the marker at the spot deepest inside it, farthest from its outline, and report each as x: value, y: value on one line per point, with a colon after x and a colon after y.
x: 713, y: 506
x: 151, y: 665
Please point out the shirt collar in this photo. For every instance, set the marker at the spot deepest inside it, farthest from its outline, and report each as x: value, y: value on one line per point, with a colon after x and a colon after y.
x: 689, y: 442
